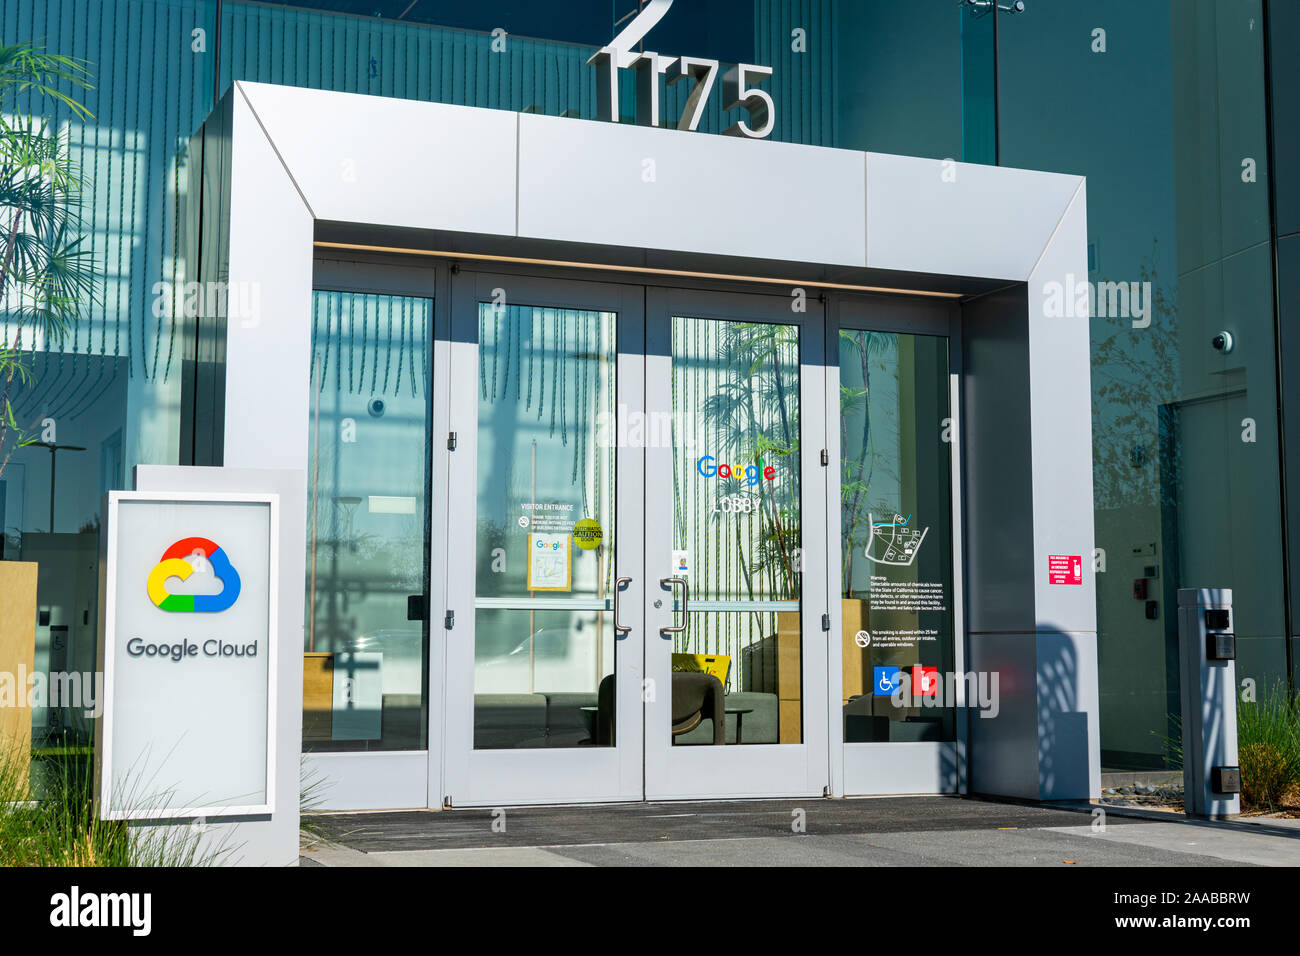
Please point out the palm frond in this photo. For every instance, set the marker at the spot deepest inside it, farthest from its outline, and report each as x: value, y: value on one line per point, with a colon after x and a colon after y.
x: 24, y: 66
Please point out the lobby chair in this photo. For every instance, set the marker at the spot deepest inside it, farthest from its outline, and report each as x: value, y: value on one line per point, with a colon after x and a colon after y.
x: 605, y: 712
x: 697, y: 697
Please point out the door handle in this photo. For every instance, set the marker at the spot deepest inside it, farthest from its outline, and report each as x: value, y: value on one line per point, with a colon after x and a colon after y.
x: 686, y: 596
x: 618, y: 586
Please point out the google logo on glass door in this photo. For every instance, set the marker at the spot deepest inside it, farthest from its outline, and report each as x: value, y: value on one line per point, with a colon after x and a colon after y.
x: 176, y: 563
x: 750, y: 473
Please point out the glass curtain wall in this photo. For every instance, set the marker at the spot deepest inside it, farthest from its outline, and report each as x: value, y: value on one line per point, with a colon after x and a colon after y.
x: 102, y: 393
x: 1162, y: 107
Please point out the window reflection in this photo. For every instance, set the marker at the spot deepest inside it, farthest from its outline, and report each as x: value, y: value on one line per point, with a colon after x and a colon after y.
x: 364, y: 662
x: 544, y: 650
x: 737, y: 531
x: 896, y: 539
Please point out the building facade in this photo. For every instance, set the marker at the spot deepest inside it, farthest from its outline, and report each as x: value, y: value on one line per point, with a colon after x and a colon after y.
x: 1176, y: 114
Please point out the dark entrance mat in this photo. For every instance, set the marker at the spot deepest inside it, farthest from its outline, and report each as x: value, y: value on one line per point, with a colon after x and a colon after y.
x: 713, y: 820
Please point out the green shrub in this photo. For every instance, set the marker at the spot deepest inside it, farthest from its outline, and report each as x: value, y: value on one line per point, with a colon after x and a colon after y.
x: 1265, y: 776
x: 50, y: 819
x: 311, y: 798
x: 1268, y: 747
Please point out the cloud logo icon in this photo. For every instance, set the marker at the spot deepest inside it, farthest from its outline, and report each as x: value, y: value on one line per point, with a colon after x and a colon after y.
x: 175, y: 565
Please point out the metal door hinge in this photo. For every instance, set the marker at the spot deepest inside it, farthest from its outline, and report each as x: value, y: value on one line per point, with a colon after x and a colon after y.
x: 451, y: 441
x: 449, y: 620
x: 826, y: 458
x: 826, y: 622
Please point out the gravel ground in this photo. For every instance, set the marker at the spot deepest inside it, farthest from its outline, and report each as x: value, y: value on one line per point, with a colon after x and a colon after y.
x: 1170, y: 798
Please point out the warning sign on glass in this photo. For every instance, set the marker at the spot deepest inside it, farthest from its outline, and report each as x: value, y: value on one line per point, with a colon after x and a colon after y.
x: 1064, y: 569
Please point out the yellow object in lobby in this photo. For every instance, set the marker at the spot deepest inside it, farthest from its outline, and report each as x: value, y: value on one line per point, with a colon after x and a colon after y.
x: 716, y: 664
x: 317, y: 695
x: 856, y: 657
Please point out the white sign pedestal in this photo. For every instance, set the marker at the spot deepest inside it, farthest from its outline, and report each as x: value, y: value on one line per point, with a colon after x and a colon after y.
x: 201, y: 646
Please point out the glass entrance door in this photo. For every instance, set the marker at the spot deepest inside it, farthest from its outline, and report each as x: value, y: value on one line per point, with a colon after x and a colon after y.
x: 544, y: 621
x: 735, y: 650
x: 635, y: 601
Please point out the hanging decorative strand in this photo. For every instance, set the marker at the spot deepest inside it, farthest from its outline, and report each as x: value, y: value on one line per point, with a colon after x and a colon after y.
x: 532, y: 326
x: 388, y: 340
x: 583, y: 358
x: 564, y: 383
x: 425, y: 371
x: 350, y: 339
x: 556, y: 371
x: 506, y: 326
x: 365, y: 342
x: 541, y: 393
x: 401, y: 347
x: 496, y: 345
x: 482, y: 359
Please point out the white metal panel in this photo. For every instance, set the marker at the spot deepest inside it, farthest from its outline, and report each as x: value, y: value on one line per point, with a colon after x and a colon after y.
x: 1061, y: 428
x: 385, y: 161
x: 268, y: 353
x: 648, y: 188
x: 834, y: 555
x: 380, y: 780
x: 947, y: 218
x: 900, y: 767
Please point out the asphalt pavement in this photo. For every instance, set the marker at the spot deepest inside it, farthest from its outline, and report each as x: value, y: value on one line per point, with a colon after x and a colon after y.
x: 887, y: 831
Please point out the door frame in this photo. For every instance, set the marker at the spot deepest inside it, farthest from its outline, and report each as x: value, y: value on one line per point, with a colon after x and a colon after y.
x: 870, y: 769
x: 521, y: 776
x: 401, y: 778
x: 394, y: 779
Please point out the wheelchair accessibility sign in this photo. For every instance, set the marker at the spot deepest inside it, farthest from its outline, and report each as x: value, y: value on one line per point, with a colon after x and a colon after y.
x: 887, y: 680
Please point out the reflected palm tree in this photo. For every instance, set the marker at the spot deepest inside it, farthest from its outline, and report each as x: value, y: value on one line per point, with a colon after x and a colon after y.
x: 755, y: 409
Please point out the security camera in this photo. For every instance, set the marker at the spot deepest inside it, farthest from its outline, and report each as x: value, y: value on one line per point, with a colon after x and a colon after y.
x: 1222, y: 342
x: 376, y: 408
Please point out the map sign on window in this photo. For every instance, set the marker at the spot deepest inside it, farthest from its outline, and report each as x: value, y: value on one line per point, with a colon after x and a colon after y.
x: 893, y: 542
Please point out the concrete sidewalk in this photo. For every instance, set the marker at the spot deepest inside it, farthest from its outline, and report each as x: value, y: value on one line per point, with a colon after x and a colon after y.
x: 890, y: 831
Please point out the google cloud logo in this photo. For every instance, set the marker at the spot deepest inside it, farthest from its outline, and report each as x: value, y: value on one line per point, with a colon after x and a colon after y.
x: 174, y: 564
